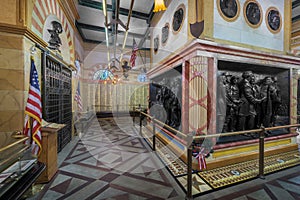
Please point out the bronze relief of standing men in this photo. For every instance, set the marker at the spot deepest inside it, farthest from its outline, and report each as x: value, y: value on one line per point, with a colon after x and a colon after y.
x: 249, y: 99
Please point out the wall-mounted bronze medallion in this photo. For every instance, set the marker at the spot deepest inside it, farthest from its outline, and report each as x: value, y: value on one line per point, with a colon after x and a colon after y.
x: 165, y: 34
x: 253, y: 13
x: 228, y: 9
x: 178, y: 18
x: 273, y: 20
x: 156, y: 44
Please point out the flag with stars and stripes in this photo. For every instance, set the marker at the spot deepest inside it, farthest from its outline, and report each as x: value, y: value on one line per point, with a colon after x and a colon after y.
x: 133, y: 53
x: 33, y: 112
x: 78, y: 97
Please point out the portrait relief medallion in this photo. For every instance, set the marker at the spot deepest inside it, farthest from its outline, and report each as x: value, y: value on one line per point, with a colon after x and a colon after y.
x: 273, y: 20
x: 228, y: 9
x: 178, y: 18
x: 156, y: 44
x: 165, y: 34
x: 253, y: 13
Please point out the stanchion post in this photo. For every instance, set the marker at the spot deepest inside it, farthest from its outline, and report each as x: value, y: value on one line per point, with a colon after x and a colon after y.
x: 117, y: 110
x: 154, y: 133
x: 133, y: 116
x: 141, y: 122
x: 189, y: 194
x: 261, y: 153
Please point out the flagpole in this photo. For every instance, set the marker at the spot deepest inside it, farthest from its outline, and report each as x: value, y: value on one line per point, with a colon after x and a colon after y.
x: 30, y: 119
x: 142, y: 59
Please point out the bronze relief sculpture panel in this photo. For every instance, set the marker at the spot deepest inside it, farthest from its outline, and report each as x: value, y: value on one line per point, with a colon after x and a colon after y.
x: 165, y: 98
x: 251, y: 96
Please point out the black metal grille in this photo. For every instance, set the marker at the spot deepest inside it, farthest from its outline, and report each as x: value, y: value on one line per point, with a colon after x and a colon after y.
x: 57, y: 97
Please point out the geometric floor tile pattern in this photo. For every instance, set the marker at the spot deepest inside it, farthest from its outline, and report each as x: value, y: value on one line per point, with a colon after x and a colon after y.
x: 199, y: 186
x: 172, y: 161
x: 110, y: 161
x: 286, y: 187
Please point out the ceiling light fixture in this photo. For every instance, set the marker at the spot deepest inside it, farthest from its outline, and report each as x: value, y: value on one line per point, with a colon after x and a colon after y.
x: 159, y: 5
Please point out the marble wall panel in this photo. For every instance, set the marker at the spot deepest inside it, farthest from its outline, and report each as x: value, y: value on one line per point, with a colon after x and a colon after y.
x: 11, y: 79
x: 11, y: 121
x: 11, y: 59
x: 11, y: 82
x: 9, y: 41
x: 11, y: 100
x: 8, y: 11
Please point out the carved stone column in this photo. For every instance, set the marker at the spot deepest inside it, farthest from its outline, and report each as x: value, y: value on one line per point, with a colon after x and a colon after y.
x: 198, y: 94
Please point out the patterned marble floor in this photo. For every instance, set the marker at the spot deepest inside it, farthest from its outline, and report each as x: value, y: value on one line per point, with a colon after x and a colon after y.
x: 110, y: 161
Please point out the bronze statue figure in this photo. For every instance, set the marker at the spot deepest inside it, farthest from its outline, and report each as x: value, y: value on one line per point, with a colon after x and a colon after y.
x: 55, y: 40
x: 233, y: 102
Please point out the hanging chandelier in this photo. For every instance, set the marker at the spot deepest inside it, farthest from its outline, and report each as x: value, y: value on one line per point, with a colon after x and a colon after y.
x: 159, y: 5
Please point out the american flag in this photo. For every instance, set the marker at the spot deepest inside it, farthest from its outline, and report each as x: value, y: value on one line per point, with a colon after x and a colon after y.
x: 133, y: 55
x: 33, y: 113
x: 77, y: 97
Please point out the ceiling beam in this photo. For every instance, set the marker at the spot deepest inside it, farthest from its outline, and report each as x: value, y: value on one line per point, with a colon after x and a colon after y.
x: 294, y: 19
x: 83, y: 36
x: 151, y: 14
x: 296, y: 4
x: 102, y: 29
x: 122, y: 11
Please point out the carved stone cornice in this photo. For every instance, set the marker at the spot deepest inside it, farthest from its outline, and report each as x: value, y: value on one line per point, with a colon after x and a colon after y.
x: 201, y: 47
x: 24, y: 31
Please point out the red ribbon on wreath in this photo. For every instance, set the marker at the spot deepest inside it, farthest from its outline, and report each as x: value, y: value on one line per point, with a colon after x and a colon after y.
x: 200, y: 156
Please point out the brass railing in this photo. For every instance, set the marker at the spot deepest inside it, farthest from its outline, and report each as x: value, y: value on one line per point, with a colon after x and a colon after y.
x: 118, y: 108
x: 189, y: 137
